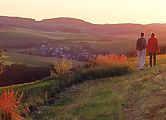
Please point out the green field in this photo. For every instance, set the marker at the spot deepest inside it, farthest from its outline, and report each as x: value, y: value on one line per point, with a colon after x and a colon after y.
x: 31, y: 60
x: 18, y: 36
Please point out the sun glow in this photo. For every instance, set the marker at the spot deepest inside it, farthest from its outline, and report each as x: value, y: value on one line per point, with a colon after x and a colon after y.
x: 95, y: 11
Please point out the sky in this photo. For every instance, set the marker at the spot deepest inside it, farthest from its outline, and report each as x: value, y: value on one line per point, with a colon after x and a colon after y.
x: 94, y: 11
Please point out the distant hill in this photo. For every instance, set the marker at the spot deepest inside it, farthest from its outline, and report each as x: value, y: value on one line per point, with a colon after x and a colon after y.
x: 56, y: 24
x: 73, y: 25
x: 17, y: 21
x: 66, y: 21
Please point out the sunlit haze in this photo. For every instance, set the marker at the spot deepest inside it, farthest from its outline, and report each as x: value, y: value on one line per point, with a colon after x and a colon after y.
x: 95, y: 11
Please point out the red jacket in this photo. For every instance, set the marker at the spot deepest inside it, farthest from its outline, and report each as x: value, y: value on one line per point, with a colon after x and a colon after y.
x: 153, y: 46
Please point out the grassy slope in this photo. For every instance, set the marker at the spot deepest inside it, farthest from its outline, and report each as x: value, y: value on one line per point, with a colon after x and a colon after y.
x: 31, y: 60
x: 17, y: 36
x: 138, y: 95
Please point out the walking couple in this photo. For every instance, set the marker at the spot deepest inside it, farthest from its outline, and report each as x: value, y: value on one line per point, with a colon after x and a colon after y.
x: 152, y: 49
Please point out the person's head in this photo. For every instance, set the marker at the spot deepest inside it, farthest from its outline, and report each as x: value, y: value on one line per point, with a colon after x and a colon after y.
x: 142, y: 34
x: 152, y: 35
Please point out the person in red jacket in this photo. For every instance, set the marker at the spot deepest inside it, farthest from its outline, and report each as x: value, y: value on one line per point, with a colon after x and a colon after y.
x: 153, y: 48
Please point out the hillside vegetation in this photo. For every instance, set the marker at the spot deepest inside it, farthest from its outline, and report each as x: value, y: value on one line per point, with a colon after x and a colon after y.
x: 137, y: 95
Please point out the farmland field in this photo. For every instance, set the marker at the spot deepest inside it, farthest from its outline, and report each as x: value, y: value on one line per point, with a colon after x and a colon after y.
x: 13, y: 36
x: 18, y: 36
x: 10, y: 58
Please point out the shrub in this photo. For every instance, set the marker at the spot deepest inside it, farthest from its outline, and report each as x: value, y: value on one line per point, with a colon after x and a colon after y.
x: 62, y: 70
x: 112, y: 60
x: 9, y: 105
x: 103, y: 66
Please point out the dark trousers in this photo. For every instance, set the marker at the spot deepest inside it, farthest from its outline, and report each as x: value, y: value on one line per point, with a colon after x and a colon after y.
x: 154, y: 62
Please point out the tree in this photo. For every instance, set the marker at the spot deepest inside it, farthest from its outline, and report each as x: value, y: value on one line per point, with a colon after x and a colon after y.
x: 62, y: 70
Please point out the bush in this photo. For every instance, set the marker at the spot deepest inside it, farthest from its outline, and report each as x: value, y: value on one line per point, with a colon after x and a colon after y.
x: 112, y: 60
x: 103, y: 66
x: 100, y: 73
x: 9, y: 106
x: 62, y: 72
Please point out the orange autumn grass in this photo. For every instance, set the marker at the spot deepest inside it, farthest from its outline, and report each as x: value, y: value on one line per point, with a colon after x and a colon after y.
x: 112, y: 60
x: 9, y: 103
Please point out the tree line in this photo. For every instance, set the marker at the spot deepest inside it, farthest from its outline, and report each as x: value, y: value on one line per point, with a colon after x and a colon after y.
x: 20, y: 73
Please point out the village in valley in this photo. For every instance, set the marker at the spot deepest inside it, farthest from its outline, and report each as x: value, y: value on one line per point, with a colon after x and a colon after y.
x: 51, y: 49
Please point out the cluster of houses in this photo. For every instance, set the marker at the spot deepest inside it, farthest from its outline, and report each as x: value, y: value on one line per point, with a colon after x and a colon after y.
x: 76, y: 53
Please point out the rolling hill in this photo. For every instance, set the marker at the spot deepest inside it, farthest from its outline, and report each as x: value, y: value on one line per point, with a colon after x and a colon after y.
x: 137, y: 95
x: 23, y: 34
x: 17, y: 38
x: 59, y: 24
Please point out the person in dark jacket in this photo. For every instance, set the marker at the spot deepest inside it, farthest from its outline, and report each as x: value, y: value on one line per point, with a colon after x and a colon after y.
x: 153, y: 48
x: 141, y: 52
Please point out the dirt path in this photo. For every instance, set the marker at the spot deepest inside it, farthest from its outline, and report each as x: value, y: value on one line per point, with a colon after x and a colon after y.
x: 149, y: 100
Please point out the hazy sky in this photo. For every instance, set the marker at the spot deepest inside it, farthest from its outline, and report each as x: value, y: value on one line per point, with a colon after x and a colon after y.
x: 95, y: 11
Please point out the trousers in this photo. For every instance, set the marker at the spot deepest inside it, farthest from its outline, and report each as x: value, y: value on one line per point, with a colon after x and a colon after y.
x: 154, y: 62
x: 142, y: 56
